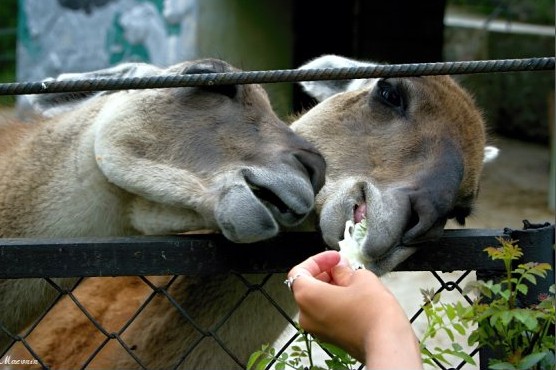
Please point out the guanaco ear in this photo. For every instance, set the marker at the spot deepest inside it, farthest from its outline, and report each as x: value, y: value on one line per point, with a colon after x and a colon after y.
x: 491, y: 152
x: 321, y: 90
x: 52, y: 104
x: 202, y: 66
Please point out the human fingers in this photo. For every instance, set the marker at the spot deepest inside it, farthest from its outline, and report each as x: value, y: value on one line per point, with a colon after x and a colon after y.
x: 318, y: 265
x: 341, y: 275
x: 315, y: 268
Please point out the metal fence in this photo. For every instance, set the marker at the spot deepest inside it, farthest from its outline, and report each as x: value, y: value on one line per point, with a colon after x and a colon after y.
x: 459, y: 250
x: 202, y: 255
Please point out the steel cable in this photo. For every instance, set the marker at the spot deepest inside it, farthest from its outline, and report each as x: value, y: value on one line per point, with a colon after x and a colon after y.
x: 274, y: 76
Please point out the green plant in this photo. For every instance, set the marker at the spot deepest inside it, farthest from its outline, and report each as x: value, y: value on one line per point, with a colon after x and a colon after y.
x: 298, y: 357
x: 520, y: 337
x: 522, y: 334
x: 443, y: 318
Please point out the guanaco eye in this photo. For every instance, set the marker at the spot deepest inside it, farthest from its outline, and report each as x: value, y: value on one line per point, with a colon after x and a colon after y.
x: 389, y: 94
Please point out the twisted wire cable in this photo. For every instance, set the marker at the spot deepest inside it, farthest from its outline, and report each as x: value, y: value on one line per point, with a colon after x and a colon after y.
x: 286, y: 75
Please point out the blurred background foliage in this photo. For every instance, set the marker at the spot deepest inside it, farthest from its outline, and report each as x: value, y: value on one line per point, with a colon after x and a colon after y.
x: 8, y: 24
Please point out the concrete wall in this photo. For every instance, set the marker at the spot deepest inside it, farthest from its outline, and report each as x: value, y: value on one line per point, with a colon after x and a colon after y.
x: 515, y: 104
x: 519, y: 104
x: 56, y: 36
x: 253, y: 35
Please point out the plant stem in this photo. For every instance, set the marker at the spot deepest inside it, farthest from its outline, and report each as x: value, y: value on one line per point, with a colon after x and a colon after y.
x: 309, y: 346
x: 508, y: 265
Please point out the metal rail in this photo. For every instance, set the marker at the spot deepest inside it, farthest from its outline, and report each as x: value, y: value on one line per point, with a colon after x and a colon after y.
x: 287, y: 75
x: 209, y: 254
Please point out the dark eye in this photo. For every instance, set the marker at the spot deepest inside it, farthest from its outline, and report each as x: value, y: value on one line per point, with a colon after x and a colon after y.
x: 389, y: 94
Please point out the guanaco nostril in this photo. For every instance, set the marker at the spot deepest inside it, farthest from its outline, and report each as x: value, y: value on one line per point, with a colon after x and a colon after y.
x: 314, y: 166
x: 423, y: 225
x: 422, y: 219
x: 412, y: 222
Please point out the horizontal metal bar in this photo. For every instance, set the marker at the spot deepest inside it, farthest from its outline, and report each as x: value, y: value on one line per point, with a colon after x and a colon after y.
x: 286, y: 75
x: 458, y: 249
x: 207, y: 254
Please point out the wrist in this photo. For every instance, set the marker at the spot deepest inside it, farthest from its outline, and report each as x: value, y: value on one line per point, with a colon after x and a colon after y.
x: 391, y: 341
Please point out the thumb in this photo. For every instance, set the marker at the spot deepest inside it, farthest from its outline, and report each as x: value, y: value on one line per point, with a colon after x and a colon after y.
x: 341, y: 275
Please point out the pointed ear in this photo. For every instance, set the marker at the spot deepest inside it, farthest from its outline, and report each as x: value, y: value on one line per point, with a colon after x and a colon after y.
x: 321, y: 90
x: 51, y: 104
x: 491, y: 153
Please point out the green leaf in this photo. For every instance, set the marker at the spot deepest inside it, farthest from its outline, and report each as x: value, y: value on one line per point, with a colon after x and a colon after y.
x: 505, y: 294
x: 253, y: 359
x: 449, y: 333
x: 506, y: 317
x: 549, y: 360
x: 459, y: 328
x: 496, y: 288
x: 464, y: 356
x: 494, y: 319
x: 532, y: 279
x: 473, y: 338
x: 336, y: 351
x: 263, y: 363
x: 529, y: 361
x: 522, y: 288
x: 334, y: 364
x: 440, y: 357
x: 502, y: 366
x: 526, y: 317
x: 450, y: 312
x: 429, y: 361
x: 544, y: 266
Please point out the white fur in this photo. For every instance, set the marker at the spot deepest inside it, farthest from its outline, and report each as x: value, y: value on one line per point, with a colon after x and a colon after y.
x: 491, y: 153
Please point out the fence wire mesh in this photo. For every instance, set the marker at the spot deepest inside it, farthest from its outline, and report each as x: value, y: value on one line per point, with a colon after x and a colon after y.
x: 24, y: 345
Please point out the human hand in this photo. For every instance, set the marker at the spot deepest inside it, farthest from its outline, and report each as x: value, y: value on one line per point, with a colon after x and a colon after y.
x: 355, y: 311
